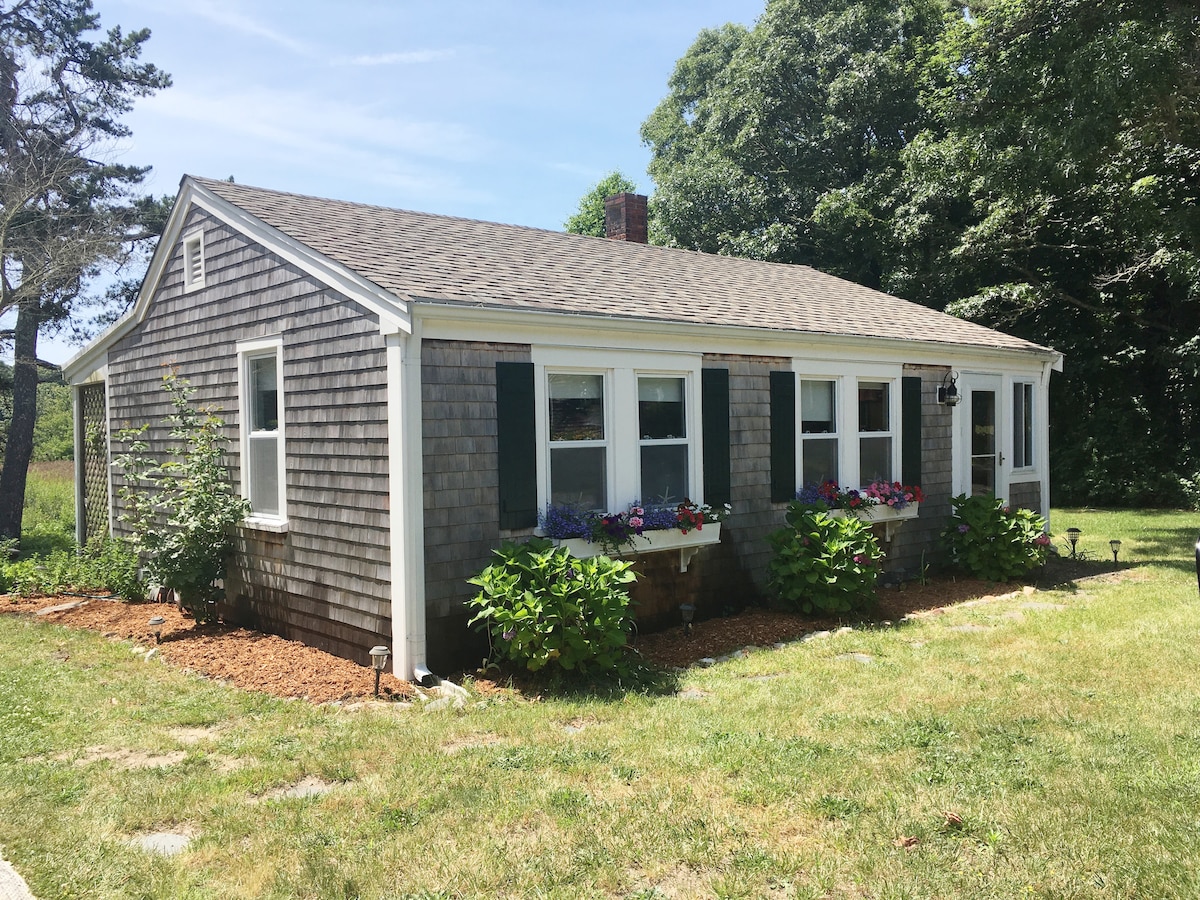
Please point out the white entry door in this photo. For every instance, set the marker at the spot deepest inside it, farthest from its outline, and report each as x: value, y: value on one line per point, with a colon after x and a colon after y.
x: 980, y: 462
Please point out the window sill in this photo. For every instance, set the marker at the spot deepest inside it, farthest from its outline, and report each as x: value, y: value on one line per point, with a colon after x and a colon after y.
x: 688, y: 544
x: 274, y: 526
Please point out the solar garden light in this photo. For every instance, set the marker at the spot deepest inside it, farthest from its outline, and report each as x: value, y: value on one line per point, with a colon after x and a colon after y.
x: 1073, y: 539
x: 157, y: 622
x: 1115, y: 546
x: 379, y: 658
x: 688, y: 611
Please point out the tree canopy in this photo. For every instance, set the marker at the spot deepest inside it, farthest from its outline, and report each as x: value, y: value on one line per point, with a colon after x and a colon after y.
x: 1030, y: 164
x: 66, y: 209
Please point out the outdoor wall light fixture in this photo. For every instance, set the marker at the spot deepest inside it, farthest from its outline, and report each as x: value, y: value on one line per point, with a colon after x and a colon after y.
x: 947, y: 393
x: 379, y: 658
x: 1073, y: 539
x: 1115, y: 547
x: 157, y: 622
x: 688, y: 611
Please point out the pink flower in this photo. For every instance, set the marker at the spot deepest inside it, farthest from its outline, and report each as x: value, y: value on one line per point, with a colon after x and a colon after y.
x: 859, y: 558
x: 636, y: 521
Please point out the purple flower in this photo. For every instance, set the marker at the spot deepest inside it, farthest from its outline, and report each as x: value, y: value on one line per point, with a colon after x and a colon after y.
x: 510, y: 634
x: 859, y: 558
x: 964, y: 528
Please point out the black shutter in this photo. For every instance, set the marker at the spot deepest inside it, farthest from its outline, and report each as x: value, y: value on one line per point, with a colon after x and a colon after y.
x: 714, y: 408
x: 516, y: 444
x: 783, y: 437
x: 910, y: 429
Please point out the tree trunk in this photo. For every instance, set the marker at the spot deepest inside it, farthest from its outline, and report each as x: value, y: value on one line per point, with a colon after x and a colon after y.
x: 19, y: 450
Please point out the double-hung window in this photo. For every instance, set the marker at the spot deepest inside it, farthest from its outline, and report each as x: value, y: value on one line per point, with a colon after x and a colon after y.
x: 616, y: 427
x: 1022, y: 455
x: 261, y: 379
x: 578, y: 442
x: 663, y: 442
x: 818, y: 431
x: 875, y: 436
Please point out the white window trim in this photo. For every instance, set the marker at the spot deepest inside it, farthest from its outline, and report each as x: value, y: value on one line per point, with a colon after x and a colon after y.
x: 621, y: 369
x: 193, y: 244
x: 846, y: 376
x: 838, y: 424
x: 247, y: 351
x: 1029, y: 469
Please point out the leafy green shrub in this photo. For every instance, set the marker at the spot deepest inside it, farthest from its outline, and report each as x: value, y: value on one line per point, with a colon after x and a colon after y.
x: 993, y: 541
x: 823, y: 563
x: 104, y: 566
x: 182, y: 512
x: 542, y: 606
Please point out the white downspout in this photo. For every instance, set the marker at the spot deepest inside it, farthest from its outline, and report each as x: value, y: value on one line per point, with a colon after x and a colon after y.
x: 406, y: 504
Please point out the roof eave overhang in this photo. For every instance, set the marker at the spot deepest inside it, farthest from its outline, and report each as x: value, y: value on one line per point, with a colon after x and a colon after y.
x: 392, y: 310
x: 428, y: 308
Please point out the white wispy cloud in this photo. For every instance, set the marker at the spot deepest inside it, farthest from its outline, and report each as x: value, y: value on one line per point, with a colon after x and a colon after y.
x: 228, y: 17
x: 406, y: 58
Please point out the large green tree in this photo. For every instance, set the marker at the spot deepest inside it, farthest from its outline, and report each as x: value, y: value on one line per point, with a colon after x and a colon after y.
x: 1056, y: 196
x: 66, y: 210
x: 774, y: 142
x: 1032, y: 164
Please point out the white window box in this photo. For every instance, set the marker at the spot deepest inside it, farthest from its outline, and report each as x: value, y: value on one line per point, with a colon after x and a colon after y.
x: 688, y: 544
x: 888, y: 516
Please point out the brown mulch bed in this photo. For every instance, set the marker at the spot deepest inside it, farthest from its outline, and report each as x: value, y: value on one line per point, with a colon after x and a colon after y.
x: 248, y: 659
x: 262, y: 662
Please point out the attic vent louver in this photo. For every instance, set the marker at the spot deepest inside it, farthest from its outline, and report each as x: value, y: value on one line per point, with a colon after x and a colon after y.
x: 193, y: 262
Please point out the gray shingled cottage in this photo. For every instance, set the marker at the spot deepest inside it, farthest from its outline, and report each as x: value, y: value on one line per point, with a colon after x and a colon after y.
x: 387, y: 377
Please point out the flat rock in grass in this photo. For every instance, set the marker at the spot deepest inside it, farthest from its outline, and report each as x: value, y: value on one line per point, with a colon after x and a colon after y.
x: 706, y: 662
x: 62, y: 607
x: 970, y: 626
x: 127, y: 758
x: 815, y: 635
x: 164, y: 843
x: 692, y: 694
x: 12, y: 885
x: 311, y: 786
x: 863, y: 658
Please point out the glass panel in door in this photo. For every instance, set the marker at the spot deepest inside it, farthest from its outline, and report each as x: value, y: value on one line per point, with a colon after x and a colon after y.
x: 983, y: 442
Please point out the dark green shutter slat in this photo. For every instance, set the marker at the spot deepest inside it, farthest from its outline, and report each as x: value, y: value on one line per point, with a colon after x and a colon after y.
x: 783, y: 437
x: 910, y: 425
x: 516, y: 441
x: 714, y: 408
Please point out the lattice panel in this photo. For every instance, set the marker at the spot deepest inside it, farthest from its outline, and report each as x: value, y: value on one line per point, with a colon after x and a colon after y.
x: 95, y: 460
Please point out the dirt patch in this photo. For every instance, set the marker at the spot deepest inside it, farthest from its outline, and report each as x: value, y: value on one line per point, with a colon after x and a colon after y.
x: 126, y: 758
x: 194, y: 735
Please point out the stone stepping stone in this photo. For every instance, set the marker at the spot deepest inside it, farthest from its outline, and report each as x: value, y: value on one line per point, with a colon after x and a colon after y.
x: 62, y: 607
x: 12, y: 885
x: 864, y: 658
x: 164, y: 843
x: 693, y: 694
x: 970, y: 626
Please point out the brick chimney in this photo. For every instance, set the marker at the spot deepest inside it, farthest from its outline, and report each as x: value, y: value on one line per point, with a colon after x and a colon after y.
x: 625, y: 218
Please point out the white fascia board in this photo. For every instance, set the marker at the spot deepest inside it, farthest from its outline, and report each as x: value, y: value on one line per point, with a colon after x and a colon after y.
x: 442, y: 321
x: 393, y: 311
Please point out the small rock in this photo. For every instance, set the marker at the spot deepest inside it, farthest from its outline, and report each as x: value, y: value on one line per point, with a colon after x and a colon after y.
x: 692, y: 694
x: 706, y: 662
x: 813, y: 635
x: 779, y: 645
x: 444, y: 703
x: 1029, y: 589
x: 845, y: 629
x: 151, y: 653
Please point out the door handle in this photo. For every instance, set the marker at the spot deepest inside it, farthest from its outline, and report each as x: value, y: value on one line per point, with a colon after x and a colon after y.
x: 1000, y: 458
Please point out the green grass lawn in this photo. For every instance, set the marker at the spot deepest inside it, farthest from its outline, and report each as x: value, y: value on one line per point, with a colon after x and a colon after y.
x: 1062, y: 728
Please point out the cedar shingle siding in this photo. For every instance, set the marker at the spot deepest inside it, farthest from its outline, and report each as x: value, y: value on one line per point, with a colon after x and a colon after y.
x: 461, y: 482
x: 327, y: 580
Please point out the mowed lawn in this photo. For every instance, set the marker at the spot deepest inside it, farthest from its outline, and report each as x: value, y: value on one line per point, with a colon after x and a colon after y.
x: 1043, y: 745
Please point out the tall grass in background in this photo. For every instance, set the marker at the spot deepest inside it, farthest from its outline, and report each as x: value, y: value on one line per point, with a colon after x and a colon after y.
x: 49, y: 520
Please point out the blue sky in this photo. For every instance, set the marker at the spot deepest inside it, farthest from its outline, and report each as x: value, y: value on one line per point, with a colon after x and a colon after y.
x: 491, y: 109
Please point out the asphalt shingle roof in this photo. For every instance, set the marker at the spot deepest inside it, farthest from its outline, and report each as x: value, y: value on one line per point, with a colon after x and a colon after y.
x: 440, y: 258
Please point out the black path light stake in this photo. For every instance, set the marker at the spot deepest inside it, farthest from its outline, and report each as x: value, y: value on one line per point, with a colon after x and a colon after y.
x: 688, y: 611
x: 1073, y: 539
x: 157, y: 622
x: 1198, y: 563
x: 1115, y: 546
x: 379, y: 658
